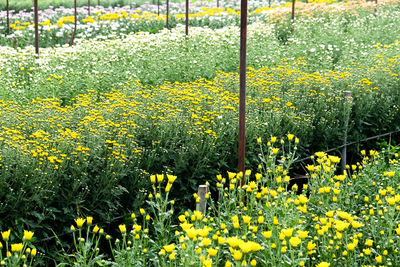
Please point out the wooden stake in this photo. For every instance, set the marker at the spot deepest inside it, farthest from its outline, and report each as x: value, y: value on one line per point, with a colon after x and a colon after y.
x: 88, y: 4
x: 36, y: 21
x: 8, y: 18
x: 166, y: 25
x: 347, y: 98
x: 201, y: 193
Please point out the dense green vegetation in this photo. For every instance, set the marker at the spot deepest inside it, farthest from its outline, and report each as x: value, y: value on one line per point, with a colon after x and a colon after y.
x: 84, y: 127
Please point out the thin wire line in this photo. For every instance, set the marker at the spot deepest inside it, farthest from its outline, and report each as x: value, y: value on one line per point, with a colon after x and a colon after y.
x: 350, y: 143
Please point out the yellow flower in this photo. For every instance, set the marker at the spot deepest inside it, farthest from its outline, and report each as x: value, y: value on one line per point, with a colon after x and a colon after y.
x: 378, y: 259
x: 356, y: 224
x: 302, y: 234
x: 27, y: 235
x: 320, y: 154
x: 294, y: 241
x: 6, y: 235
x: 206, y: 242
x: 367, y: 251
x: 96, y: 229
x: 172, y: 256
x: 171, y: 178
x: 17, y: 247
x: 253, y: 262
x: 169, y: 248
x: 89, y: 220
x: 212, y: 251
x: 287, y: 232
x: 391, y: 201
x: 267, y: 234
x: 168, y: 187
x: 33, y: 252
x: 233, y: 241
x: 152, y: 179
x: 237, y: 255
x: 122, y: 228
x: 246, y: 219
x: 290, y: 137
x: 228, y: 264
x: 369, y: 242
x: 311, y: 245
x: 80, y: 222
x: 160, y: 177
x: 351, y: 246
x: 323, y: 264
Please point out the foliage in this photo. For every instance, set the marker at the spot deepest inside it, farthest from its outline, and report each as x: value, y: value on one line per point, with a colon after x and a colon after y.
x: 338, y: 218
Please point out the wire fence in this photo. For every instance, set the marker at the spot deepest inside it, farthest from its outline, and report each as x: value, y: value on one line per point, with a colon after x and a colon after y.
x: 349, y: 144
x: 296, y: 161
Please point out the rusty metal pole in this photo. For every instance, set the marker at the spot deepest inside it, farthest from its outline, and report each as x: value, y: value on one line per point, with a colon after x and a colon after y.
x: 36, y: 21
x: 88, y: 4
x: 75, y: 26
x: 8, y: 18
x: 292, y: 21
x: 242, y: 83
x: 293, y: 1
x: 166, y: 25
x: 187, y: 18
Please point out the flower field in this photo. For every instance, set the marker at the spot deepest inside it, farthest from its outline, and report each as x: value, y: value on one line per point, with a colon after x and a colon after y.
x: 115, y: 134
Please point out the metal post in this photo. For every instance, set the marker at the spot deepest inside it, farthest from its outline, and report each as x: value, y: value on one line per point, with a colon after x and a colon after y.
x: 201, y: 193
x: 75, y: 21
x: 376, y: 6
x: 293, y: 1
x: 166, y: 25
x: 36, y: 21
x: 217, y: 3
x: 158, y: 8
x: 88, y: 3
x: 187, y: 18
x: 8, y: 18
x: 242, y: 83
x: 347, y: 105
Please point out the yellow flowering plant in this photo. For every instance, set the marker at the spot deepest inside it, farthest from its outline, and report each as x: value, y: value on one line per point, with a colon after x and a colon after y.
x: 17, y: 253
x: 86, y: 250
